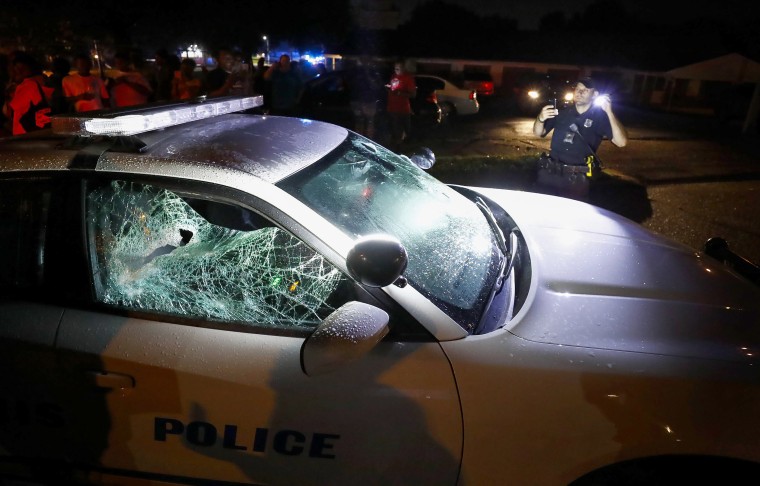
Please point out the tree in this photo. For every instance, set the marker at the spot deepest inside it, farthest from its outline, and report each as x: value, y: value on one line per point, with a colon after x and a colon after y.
x: 553, y: 22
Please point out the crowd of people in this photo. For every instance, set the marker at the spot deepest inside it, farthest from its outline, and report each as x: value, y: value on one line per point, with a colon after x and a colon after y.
x: 33, y: 94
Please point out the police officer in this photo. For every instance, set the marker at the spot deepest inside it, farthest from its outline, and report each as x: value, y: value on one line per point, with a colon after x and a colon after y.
x: 578, y: 131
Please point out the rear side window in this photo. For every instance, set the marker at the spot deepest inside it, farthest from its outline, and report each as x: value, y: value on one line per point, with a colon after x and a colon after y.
x: 24, y: 208
x: 429, y: 84
x: 153, y: 250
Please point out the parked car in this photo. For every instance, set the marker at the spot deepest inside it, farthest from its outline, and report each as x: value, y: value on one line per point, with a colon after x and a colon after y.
x: 481, y: 82
x: 195, y: 295
x: 328, y: 98
x: 452, y: 99
x: 535, y: 91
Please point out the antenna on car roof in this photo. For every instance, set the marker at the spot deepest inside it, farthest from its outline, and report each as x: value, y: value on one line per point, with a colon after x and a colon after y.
x: 132, y: 121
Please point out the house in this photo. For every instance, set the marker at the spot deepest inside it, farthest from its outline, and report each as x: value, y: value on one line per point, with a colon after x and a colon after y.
x: 727, y: 87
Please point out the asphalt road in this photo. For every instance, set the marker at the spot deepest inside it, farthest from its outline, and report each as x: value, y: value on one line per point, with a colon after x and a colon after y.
x: 688, y: 178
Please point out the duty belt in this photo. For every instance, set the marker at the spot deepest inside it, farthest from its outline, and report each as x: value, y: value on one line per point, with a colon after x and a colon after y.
x: 554, y: 165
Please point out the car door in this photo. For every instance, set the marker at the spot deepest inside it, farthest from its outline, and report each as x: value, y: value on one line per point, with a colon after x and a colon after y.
x: 195, y: 354
x: 37, y: 252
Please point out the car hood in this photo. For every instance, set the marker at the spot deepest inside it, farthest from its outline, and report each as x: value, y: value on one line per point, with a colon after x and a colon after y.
x: 602, y: 281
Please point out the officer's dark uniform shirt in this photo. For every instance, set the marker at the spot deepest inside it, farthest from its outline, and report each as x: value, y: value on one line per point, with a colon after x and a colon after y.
x: 567, y: 146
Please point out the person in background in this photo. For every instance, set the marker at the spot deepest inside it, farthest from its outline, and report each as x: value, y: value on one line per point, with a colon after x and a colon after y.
x: 578, y: 132
x: 186, y: 85
x: 221, y: 79
x: 366, y: 89
x: 260, y: 84
x: 286, y: 85
x: 83, y: 90
x: 5, y: 80
x: 242, y: 73
x: 401, y: 89
x: 9, y: 87
x: 129, y: 87
x: 163, y: 74
x: 30, y: 106
x: 60, y: 69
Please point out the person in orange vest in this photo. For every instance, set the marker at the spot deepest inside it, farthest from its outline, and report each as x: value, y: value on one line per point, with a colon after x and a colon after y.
x: 186, y: 85
x: 85, y: 91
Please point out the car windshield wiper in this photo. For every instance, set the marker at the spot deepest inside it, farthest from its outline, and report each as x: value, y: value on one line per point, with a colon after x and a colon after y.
x: 501, y: 242
x: 508, y: 251
x: 514, y: 244
x: 505, y: 265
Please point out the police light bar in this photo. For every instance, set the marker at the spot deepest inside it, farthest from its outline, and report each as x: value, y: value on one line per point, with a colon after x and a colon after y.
x: 132, y: 122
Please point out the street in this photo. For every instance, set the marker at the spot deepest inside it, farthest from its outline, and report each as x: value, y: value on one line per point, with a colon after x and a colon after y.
x: 687, y: 178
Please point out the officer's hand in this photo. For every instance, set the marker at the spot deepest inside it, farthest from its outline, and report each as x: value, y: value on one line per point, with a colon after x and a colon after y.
x: 547, y: 112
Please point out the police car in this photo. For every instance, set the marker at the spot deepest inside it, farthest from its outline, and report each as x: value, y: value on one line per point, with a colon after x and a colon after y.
x: 192, y: 294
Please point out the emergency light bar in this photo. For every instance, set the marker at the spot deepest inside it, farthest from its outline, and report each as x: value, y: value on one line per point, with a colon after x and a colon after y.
x: 132, y: 122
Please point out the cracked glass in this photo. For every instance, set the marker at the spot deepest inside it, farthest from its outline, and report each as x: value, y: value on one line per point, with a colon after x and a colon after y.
x: 363, y: 188
x: 156, y: 251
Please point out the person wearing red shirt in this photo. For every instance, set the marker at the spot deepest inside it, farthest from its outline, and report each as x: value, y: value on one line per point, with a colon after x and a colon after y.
x: 400, y: 90
x: 30, y: 105
x: 129, y: 87
x: 83, y: 90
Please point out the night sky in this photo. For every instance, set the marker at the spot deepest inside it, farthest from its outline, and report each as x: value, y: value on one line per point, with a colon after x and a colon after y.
x: 528, y: 12
x: 651, y: 29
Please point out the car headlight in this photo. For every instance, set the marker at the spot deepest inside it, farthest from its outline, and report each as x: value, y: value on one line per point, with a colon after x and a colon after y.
x: 533, y: 94
x: 569, y: 96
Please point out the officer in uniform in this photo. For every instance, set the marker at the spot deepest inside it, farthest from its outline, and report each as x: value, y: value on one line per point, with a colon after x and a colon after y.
x: 578, y: 131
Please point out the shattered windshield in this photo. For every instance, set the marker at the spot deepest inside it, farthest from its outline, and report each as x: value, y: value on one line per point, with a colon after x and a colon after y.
x: 363, y: 189
x: 154, y: 251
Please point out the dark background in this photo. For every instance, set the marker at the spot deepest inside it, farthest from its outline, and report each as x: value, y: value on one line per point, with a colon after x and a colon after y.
x: 643, y: 34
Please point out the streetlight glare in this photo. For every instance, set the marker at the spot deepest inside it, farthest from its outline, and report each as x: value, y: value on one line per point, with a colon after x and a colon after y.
x: 266, y: 39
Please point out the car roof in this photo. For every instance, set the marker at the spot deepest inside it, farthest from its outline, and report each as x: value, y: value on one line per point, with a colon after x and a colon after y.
x: 449, y: 84
x: 477, y: 76
x: 433, y: 77
x: 267, y: 147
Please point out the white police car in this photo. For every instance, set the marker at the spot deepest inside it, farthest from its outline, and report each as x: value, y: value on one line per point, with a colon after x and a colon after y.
x: 237, y: 299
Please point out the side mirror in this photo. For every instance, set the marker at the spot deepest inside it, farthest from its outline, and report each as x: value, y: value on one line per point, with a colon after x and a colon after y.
x: 423, y: 158
x: 347, y: 334
x: 377, y: 260
x: 717, y: 248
